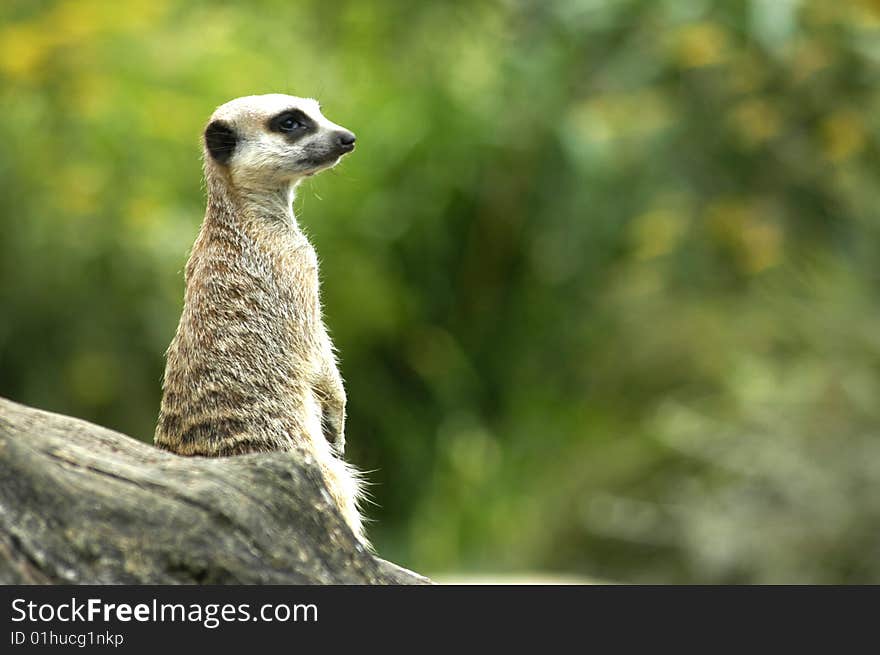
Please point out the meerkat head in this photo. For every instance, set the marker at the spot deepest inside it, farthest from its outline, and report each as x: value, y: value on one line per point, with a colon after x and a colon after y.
x: 272, y: 141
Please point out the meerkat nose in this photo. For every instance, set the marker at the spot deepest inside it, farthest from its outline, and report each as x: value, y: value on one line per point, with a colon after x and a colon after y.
x: 346, y: 139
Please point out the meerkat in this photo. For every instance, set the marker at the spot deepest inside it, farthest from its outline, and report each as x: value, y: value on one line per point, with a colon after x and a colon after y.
x: 252, y: 367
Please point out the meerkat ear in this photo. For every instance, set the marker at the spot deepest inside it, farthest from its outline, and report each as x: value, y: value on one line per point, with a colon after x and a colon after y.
x: 220, y: 140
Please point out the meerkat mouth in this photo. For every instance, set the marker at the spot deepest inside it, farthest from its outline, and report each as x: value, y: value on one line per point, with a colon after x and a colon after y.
x: 318, y: 168
x: 317, y: 165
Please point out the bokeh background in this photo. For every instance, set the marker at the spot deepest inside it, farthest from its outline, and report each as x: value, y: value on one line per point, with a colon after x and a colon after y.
x: 603, y: 275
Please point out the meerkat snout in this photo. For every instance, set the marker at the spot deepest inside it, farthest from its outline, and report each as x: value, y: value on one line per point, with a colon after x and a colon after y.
x: 346, y: 140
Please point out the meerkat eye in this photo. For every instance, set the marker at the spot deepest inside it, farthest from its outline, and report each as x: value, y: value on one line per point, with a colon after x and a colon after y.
x: 289, y: 124
x: 289, y: 121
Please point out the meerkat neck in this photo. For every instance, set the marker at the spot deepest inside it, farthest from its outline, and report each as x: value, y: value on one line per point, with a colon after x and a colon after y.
x: 273, y: 206
x: 250, y: 206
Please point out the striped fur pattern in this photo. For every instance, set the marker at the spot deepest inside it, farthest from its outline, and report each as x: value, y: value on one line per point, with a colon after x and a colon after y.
x: 252, y: 367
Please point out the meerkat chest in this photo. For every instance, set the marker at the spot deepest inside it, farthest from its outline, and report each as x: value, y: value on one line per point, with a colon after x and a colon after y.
x: 289, y: 256
x: 296, y: 273
x: 288, y: 266
x: 297, y: 265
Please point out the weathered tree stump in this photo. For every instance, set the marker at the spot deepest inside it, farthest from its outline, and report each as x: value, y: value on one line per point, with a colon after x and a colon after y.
x: 83, y: 504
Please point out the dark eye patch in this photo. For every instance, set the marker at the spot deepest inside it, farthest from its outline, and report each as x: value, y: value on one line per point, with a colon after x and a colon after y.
x: 292, y: 121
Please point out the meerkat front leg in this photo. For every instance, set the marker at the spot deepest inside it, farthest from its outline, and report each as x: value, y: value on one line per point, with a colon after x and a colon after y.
x: 331, y: 394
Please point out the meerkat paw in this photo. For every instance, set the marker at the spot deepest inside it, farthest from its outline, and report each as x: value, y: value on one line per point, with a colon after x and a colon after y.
x: 333, y: 425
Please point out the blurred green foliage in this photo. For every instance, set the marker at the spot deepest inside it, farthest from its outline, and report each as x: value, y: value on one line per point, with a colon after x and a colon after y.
x: 602, y: 274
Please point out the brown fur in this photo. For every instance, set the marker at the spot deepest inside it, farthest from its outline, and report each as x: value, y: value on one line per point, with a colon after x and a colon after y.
x: 252, y: 367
